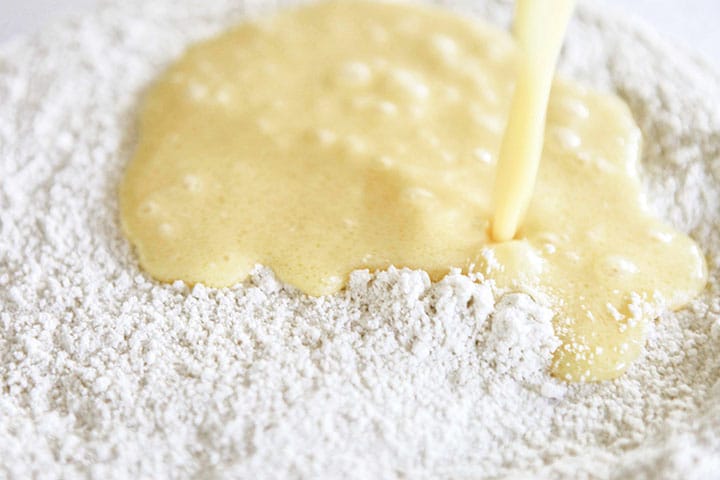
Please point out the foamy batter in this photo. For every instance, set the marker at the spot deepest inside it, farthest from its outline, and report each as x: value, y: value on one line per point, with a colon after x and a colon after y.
x: 351, y: 135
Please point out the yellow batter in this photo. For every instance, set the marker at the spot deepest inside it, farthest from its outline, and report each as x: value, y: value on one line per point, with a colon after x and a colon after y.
x: 539, y: 30
x: 352, y: 135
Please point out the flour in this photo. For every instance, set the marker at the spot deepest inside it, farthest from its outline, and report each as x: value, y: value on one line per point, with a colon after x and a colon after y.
x: 108, y: 374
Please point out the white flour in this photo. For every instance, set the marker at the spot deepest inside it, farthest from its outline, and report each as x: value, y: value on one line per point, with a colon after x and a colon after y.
x: 107, y: 374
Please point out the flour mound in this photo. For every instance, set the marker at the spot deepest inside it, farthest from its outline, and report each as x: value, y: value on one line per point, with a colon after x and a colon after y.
x: 108, y: 374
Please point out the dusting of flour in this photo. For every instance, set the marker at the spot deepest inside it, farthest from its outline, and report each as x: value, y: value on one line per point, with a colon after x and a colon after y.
x: 105, y: 373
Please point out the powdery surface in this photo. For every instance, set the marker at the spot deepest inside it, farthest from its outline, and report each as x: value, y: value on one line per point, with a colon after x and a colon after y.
x: 105, y: 373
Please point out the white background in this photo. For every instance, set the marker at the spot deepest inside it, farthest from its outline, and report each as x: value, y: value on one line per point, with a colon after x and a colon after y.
x: 694, y: 24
